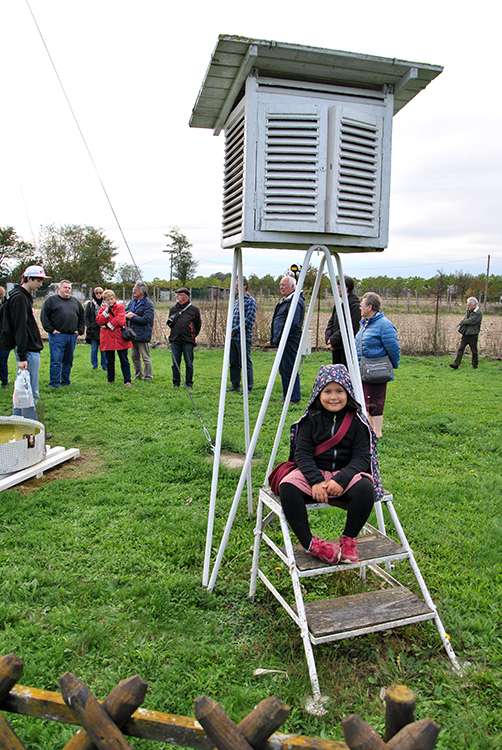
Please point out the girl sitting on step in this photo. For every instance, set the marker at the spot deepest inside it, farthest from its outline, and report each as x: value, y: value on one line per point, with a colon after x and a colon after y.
x: 335, y: 455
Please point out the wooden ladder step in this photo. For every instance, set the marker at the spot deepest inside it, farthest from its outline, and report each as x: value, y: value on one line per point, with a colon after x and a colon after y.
x: 372, y: 548
x: 332, y: 617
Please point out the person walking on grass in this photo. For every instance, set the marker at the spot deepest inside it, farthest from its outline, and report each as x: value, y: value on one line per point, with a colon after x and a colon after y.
x: 185, y: 324
x: 334, y: 449
x: 62, y: 316
x: 287, y: 287
x: 235, y: 343
x: 469, y: 328
x: 140, y: 313
x: 111, y: 319
x: 20, y: 331
x: 92, y: 330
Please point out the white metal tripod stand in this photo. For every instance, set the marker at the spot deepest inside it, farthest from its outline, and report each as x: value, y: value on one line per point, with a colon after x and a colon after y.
x: 345, y: 617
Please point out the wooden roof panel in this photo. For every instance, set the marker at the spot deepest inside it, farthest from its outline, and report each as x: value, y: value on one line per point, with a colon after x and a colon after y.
x: 299, y: 61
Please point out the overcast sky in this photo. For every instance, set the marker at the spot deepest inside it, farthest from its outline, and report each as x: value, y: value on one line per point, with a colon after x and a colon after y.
x: 132, y: 70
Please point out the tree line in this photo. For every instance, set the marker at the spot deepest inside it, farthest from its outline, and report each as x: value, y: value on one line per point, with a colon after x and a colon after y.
x: 86, y: 256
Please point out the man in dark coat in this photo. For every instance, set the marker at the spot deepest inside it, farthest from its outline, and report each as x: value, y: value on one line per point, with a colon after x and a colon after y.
x: 140, y: 313
x: 21, y: 331
x: 62, y: 316
x: 333, y: 335
x: 287, y: 289
x: 185, y: 324
x: 92, y: 330
x: 469, y: 328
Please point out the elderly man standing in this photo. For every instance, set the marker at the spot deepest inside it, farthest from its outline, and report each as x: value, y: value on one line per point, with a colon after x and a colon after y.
x: 287, y: 287
x: 235, y: 343
x: 469, y: 328
x: 62, y: 316
x: 140, y: 313
x: 185, y: 324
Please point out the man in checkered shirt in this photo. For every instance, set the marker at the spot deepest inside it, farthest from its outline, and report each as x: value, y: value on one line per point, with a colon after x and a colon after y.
x: 235, y: 343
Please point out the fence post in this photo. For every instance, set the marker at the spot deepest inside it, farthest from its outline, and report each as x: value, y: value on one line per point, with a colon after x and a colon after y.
x: 400, y: 704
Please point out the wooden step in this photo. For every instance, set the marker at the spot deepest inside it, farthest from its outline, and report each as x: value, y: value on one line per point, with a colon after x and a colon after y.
x: 372, y: 548
x: 329, y: 617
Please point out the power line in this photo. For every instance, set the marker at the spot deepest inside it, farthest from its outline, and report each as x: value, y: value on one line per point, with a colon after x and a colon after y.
x: 84, y: 140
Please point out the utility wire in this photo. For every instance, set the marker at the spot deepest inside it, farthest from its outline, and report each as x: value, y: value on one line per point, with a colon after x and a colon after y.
x: 98, y: 175
x: 84, y: 140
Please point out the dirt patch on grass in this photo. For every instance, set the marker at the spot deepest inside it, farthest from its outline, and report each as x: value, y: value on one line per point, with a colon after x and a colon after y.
x: 88, y: 464
x: 232, y: 460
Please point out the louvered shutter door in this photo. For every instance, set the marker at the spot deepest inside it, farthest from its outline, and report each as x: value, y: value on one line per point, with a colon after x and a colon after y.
x: 355, y: 147
x: 234, y: 174
x: 291, y: 166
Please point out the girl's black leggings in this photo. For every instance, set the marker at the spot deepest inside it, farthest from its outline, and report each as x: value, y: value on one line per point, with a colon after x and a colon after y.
x: 360, y: 499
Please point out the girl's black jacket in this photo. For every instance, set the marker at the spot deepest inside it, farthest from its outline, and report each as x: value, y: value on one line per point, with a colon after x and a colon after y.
x: 350, y: 456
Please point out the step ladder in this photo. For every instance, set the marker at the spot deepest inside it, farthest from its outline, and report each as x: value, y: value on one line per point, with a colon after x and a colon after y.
x: 328, y: 620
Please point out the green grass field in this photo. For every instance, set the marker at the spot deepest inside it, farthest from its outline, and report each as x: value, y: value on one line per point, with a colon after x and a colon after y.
x: 101, y: 560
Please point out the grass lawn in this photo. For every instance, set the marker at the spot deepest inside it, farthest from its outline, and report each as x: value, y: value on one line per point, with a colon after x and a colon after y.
x: 101, y: 560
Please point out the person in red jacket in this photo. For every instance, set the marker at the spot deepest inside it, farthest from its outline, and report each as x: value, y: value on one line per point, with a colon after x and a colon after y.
x: 111, y: 319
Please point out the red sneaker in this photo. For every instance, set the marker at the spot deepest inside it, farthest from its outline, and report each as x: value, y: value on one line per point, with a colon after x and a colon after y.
x: 328, y: 552
x: 348, y: 550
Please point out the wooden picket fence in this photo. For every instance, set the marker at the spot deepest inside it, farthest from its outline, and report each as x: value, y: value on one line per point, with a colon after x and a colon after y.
x: 105, y: 725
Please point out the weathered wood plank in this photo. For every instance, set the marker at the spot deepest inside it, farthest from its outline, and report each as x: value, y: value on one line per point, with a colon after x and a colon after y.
x: 359, y: 735
x: 400, y: 704
x: 263, y: 720
x: 146, y: 724
x: 421, y: 735
x: 370, y: 548
x: 100, y: 728
x: 217, y: 725
x: 120, y: 704
x: 8, y: 738
x: 11, y: 669
x: 345, y: 613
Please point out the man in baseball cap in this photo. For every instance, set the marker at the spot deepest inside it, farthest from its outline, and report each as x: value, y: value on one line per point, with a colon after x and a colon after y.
x: 35, y: 272
x: 23, y: 333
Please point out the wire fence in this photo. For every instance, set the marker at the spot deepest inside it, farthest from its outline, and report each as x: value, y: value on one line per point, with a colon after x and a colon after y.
x: 420, y: 330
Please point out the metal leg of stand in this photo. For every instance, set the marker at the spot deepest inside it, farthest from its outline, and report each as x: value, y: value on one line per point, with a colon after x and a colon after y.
x: 423, y: 588
x: 258, y: 533
x: 259, y: 423
x: 219, y: 428
x: 244, y: 375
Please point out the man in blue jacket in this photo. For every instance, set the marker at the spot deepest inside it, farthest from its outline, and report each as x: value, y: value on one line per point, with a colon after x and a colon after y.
x: 140, y: 314
x: 287, y: 289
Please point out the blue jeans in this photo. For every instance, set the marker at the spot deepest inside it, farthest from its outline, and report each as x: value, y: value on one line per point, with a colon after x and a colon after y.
x: 179, y: 348
x: 286, y: 368
x: 33, y: 359
x: 235, y: 363
x: 94, y: 355
x: 4, y: 369
x: 62, y: 346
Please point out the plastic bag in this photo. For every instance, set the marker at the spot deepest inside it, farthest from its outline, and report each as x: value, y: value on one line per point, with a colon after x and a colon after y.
x: 22, y: 397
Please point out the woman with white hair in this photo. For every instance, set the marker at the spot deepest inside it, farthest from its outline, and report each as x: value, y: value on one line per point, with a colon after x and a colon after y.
x: 111, y: 318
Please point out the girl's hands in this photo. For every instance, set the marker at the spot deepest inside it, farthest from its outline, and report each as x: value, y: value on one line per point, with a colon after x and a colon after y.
x: 333, y: 489
x: 319, y: 492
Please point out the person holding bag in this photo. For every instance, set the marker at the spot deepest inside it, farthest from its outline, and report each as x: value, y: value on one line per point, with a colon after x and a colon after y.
x: 111, y: 318
x: 378, y: 351
x: 334, y: 450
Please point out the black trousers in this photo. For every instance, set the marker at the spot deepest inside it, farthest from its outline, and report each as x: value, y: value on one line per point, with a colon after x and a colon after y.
x: 179, y: 348
x: 360, y: 499
x: 235, y: 363
x: 124, y: 365
x: 472, y: 342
